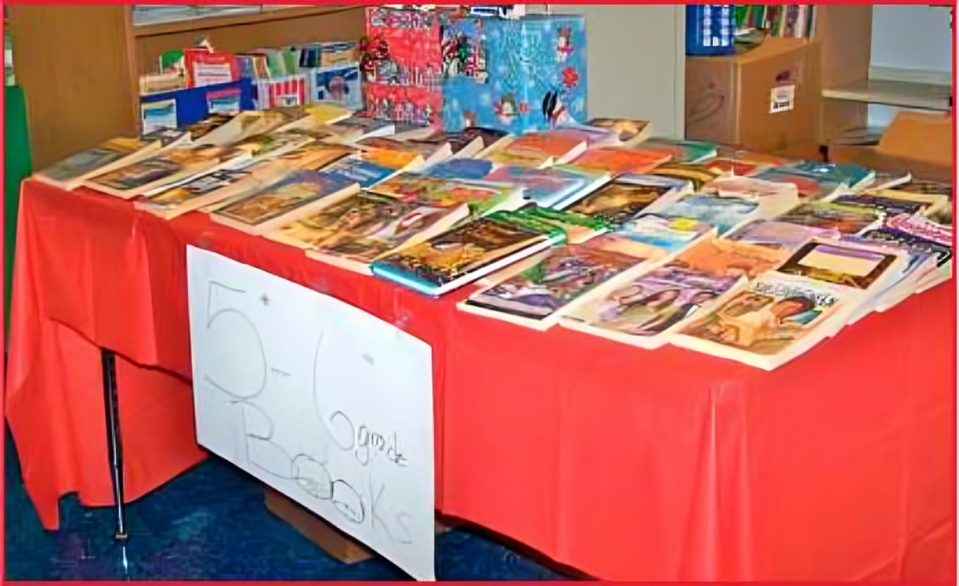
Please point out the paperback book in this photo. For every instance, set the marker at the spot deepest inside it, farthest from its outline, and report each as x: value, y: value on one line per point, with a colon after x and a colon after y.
x: 719, y: 256
x: 466, y: 253
x: 683, y: 151
x: 113, y: 154
x: 647, y: 309
x: 698, y: 175
x: 780, y: 235
x: 628, y: 132
x: 195, y: 194
x: 168, y: 167
x: 460, y: 169
x: 559, y: 280
x: 723, y: 213
x: 773, y: 198
x: 624, y: 198
x: 547, y: 187
x: 296, y: 196
x: 537, y: 150
x: 855, y: 177
x: 481, y: 197
x: 810, y: 188
x: 670, y: 234
x: 770, y: 321
x: 616, y: 160
x: 855, y: 266
x: 846, y: 219
x: 356, y: 170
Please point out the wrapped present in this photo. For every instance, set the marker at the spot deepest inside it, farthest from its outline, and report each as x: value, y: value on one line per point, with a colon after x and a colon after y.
x: 401, y: 64
x: 530, y: 74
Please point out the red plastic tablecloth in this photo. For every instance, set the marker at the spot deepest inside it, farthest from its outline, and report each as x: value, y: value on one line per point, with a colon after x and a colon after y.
x: 623, y: 463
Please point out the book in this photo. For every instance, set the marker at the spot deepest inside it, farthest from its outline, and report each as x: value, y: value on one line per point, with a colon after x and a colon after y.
x: 629, y: 132
x: 667, y: 233
x: 853, y: 176
x: 749, y: 157
x: 467, y: 143
x: 734, y: 167
x: 295, y: 196
x: 578, y: 227
x: 239, y: 127
x: 780, y: 235
x: 113, y: 154
x: 460, y: 169
x: 398, y: 160
x: 560, y: 280
x: 207, y: 125
x: 481, y: 197
x: 682, y: 151
x: 547, y: 187
x: 624, y: 198
x: 593, y: 136
x: 314, y: 115
x: 168, y: 167
x: 899, y: 285
x: 927, y: 187
x: 888, y: 179
x: 770, y: 321
x: 430, y: 152
x: 465, y: 253
x: 355, y: 169
x: 846, y: 219
x: 773, y: 198
x: 357, y: 128
x: 646, y: 310
x: 195, y: 194
x: 536, y: 149
x: 698, y: 175
x: 617, y: 160
x: 169, y: 138
x: 719, y: 256
x: 267, y: 146
x: 353, y: 232
x: 857, y: 266
x: 810, y: 188
x: 890, y: 202
x: 723, y: 213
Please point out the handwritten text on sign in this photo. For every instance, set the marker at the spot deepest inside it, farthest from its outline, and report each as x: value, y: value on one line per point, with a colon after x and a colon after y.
x: 321, y: 401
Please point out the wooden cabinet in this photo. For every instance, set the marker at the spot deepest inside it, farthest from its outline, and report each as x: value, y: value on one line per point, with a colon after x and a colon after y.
x: 79, y: 66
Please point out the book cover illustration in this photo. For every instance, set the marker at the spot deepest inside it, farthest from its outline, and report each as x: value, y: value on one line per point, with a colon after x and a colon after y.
x: 782, y: 235
x: 549, y: 286
x: 921, y: 227
x: 668, y: 233
x: 392, y: 158
x: 338, y: 84
x: 820, y: 214
x: 427, y: 190
x: 733, y: 167
x: 536, y: 149
x: 885, y: 205
x: 460, y: 169
x: 88, y: 161
x: 293, y: 191
x: 886, y: 235
x: 724, y: 213
x: 653, y: 303
x: 356, y: 170
x: 626, y: 130
x: 167, y: 137
x: 455, y: 254
x: 718, y: 256
x: 165, y: 165
x: 769, y: 315
x: 926, y: 187
x: 546, y: 187
x: 810, y: 188
x: 207, y: 125
x: 751, y: 188
x: 851, y: 175
x: 578, y: 227
x: 888, y: 179
x: 683, y: 151
x: 698, y: 175
x: 621, y: 200
x: 198, y: 187
x: 847, y: 265
x: 617, y: 160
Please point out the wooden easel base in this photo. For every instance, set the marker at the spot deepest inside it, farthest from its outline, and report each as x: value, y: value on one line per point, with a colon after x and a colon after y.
x: 326, y: 536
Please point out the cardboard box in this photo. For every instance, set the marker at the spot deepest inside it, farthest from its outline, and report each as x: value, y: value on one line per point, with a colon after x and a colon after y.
x: 917, y: 141
x: 766, y: 99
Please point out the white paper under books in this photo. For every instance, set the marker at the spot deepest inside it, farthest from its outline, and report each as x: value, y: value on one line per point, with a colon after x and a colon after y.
x: 323, y: 402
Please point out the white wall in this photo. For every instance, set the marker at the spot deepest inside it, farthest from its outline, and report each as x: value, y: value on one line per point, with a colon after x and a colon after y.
x: 911, y: 37
x: 636, y: 58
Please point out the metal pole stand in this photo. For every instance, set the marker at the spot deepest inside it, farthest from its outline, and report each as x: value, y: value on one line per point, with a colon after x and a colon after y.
x: 113, y: 440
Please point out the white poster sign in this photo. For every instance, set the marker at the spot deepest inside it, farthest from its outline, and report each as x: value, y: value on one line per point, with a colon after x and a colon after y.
x: 327, y: 404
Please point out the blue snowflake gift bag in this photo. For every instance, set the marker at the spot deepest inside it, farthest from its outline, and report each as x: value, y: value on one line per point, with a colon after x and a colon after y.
x: 530, y: 73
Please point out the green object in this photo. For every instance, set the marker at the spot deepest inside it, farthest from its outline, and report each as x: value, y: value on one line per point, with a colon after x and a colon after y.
x: 16, y: 167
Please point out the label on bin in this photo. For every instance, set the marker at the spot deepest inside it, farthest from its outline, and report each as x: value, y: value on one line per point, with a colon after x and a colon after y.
x: 782, y: 98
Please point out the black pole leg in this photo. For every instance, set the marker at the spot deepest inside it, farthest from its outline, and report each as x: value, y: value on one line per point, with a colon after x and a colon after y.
x: 114, y: 445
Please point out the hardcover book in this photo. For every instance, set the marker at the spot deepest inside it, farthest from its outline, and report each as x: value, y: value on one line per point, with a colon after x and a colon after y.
x: 464, y: 254
x: 624, y: 198
x: 296, y: 196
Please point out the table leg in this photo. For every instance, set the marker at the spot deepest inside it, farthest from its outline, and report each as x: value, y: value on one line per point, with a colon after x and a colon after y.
x: 113, y: 440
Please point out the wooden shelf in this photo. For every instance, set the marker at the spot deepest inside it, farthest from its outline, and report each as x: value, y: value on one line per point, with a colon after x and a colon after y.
x: 213, y: 22
x: 923, y: 96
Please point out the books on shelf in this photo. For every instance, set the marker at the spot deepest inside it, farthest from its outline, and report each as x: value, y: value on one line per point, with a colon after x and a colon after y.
x: 295, y: 196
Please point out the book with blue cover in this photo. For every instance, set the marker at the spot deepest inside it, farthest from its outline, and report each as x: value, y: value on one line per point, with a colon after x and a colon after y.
x: 355, y: 169
x: 460, y: 169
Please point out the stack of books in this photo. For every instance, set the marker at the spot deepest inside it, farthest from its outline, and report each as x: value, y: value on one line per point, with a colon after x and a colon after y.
x: 594, y: 227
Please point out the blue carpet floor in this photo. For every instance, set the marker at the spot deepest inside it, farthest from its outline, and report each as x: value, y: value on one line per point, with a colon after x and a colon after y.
x: 211, y: 523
